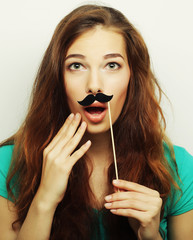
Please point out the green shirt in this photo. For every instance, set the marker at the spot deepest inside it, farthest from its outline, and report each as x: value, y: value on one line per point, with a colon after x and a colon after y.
x: 177, y: 205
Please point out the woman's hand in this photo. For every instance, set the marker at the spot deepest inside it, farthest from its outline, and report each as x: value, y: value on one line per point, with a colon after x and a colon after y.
x: 140, y: 204
x: 58, y: 160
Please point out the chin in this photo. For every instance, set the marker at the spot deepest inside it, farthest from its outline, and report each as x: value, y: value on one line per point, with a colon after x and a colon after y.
x: 97, y: 129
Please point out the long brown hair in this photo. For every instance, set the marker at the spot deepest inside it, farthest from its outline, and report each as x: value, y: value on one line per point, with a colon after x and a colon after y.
x: 139, y: 130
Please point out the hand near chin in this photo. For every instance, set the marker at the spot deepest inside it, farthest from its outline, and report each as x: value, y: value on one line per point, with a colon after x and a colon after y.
x: 140, y: 204
x: 59, y: 158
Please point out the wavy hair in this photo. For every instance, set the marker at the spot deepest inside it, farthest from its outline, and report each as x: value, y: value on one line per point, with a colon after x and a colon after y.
x: 139, y: 131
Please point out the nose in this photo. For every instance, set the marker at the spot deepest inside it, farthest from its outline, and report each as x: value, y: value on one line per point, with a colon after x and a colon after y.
x: 94, y: 83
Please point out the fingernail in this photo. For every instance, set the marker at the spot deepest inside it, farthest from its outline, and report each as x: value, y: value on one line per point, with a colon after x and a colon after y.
x: 108, y: 204
x: 107, y: 198
x: 71, y: 116
x: 115, y: 181
x: 88, y: 143
x: 77, y: 116
x: 113, y: 210
x: 83, y: 125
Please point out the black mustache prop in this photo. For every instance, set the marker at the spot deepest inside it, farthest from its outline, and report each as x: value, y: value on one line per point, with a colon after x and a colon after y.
x: 100, y: 97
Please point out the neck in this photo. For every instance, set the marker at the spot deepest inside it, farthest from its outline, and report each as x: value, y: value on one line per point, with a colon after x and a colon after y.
x: 98, y: 162
x: 100, y: 152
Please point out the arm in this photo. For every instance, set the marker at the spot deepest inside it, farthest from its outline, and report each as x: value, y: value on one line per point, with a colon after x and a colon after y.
x: 180, y: 220
x: 180, y: 227
x: 37, y: 224
x: 7, y: 216
x: 58, y: 159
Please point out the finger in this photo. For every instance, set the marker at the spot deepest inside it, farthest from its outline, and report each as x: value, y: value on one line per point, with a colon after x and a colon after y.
x: 131, y: 186
x: 139, y: 215
x: 129, y: 204
x: 73, y: 143
x: 80, y: 152
x: 67, y: 123
x: 130, y: 195
x: 68, y: 132
x: 140, y: 204
x: 61, y: 131
x: 65, y: 136
x: 76, y: 156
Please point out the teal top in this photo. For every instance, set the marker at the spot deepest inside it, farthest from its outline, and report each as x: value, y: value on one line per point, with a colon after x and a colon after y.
x: 178, y: 204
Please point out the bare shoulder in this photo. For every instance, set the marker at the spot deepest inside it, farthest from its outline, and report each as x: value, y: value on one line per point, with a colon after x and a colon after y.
x: 7, y: 217
x: 181, y: 226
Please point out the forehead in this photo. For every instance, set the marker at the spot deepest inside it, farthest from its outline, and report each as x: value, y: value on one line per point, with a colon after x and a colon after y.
x: 99, y: 40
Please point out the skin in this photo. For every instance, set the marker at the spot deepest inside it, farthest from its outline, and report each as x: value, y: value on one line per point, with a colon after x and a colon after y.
x: 95, y: 69
x: 140, y: 204
x: 88, y: 71
x: 137, y: 202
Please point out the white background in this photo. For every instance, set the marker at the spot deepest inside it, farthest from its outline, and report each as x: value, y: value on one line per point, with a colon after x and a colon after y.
x: 26, y: 28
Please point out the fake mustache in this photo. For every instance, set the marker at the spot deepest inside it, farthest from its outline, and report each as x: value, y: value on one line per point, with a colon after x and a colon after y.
x: 100, y: 97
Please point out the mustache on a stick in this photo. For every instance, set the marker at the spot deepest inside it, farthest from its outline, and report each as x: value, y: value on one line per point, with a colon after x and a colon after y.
x: 100, y: 97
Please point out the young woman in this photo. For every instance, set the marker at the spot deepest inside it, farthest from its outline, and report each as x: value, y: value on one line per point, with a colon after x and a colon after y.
x: 57, y: 177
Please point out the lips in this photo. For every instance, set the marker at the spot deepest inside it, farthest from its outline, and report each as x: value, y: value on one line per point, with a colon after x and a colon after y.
x: 95, y: 112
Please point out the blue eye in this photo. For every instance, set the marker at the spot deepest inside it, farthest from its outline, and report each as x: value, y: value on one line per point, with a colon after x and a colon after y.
x: 75, y: 66
x: 113, y: 66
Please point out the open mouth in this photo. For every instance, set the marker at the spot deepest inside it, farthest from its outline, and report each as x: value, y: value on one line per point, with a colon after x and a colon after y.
x: 95, y: 114
x: 94, y: 110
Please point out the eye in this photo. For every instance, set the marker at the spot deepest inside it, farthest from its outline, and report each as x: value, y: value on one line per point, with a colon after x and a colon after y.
x: 75, y: 66
x: 113, y: 66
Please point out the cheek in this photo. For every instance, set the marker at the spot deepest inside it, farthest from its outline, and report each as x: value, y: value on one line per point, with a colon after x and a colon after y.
x: 74, y: 86
x: 71, y: 89
x: 71, y: 96
x: 119, y: 100
x: 72, y: 101
x: 121, y: 89
x: 74, y: 94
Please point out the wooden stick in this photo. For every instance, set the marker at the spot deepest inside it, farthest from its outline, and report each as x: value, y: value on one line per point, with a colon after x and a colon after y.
x: 113, y: 143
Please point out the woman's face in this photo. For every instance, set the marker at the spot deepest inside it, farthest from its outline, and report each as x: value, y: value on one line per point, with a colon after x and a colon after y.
x: 97, y: 62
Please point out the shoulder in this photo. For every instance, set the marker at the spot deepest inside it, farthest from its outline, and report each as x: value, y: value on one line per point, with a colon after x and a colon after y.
x: 6, y: 150
x: 183, y: 158
x: 179, y: 206
x: 182, y: 201
x: 5, y: 156
x: 5, y: 161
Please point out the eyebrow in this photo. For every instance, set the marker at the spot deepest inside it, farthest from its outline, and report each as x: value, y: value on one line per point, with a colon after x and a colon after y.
x: 75, y: 56
x: 113, y: 55
x: 110, y: 55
